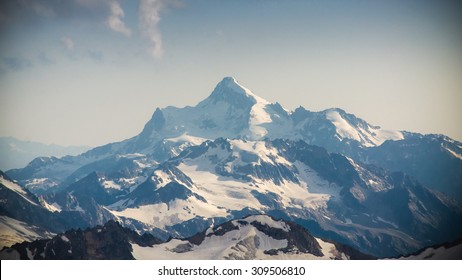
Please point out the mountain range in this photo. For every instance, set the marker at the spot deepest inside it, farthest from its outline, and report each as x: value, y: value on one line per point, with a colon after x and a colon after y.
x: 238, y: 162
x: 15, y: 153
x: 257, y: 236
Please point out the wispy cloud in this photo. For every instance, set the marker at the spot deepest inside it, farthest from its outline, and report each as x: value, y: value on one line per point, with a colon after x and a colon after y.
x: 111, y: 13
x: 68, y: 43
x: 115, y: 19
x: 149, y: 15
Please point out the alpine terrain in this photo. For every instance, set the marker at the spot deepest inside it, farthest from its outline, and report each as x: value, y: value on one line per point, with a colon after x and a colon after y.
x: 237, y: 177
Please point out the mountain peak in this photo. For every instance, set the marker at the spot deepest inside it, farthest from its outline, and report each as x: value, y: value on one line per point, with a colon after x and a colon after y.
x: 230, y: 80
x: 232, y: 83
x: 229, y: 90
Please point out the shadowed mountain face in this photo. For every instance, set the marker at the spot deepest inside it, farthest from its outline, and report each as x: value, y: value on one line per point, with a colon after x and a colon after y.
x: 433, y: 159
x: 22, y: 207
x: 446, y: 251
x: 234, y: 154
x: 108, y: 242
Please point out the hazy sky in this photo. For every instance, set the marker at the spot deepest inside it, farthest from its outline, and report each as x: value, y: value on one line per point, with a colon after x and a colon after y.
x: 92, y: 72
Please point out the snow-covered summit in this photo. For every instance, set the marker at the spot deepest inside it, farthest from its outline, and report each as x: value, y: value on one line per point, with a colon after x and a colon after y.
x: 231, y: 91
x: 231, y: 111
x: 234, y: 111
x: 350, y: 127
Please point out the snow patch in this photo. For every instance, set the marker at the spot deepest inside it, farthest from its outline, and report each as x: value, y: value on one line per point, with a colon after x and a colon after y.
x: 13, y: 231
x: 12, y: 186
x: 30, y: 256
x: 344, y: 128
x: 266, y: 220
x: 381, y: 135
x: 368, y: 137
x: 176, y: 211
x: 110, y: 184
x: 316, y: 184
x: 258, y: 116
x: 40, y: 183
x: 387, y: 222
x: 55, y: 207
x: 132, y: 156
x: 456, y: 155
x: 187, y: 138
x: 16, y: 188
x: 259, y: 148
x: 245, y: 243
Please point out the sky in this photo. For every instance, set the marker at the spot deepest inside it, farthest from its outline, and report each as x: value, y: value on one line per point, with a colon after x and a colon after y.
x: 90, y: 72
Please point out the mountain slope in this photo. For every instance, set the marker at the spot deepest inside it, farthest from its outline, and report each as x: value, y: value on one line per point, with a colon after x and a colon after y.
x: 108, y: 242
x: 254, y: 237
x: 13, y: 231
x: 20, y: 204
x: 379, y: 212
x: 84, y: 199
x: 435, y: 160
x: 24, y: 216
x: 16, y: 153
x: 338, y: 131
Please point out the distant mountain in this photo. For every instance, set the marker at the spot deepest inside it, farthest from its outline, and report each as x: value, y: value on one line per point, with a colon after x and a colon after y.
x: 435, y: 160
x: 382, y: 192
x: 254, y: 237
x: 15, y: 153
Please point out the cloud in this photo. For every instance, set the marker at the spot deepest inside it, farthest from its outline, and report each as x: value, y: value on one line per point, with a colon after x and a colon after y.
x: 149, y: 16
x: 115, y: 19
x: 108, y: 12
x: 68, y: 43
